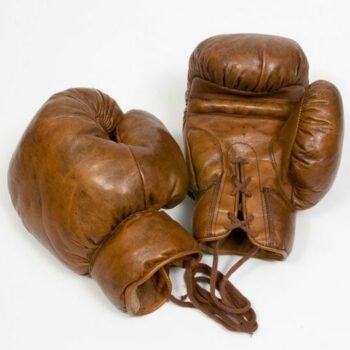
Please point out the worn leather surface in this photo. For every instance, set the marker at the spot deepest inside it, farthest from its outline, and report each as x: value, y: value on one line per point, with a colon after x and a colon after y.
x: 88, y: 180
x: 249, y: 99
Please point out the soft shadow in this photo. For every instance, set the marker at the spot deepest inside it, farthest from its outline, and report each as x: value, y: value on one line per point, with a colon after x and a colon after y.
x: 186, y: 209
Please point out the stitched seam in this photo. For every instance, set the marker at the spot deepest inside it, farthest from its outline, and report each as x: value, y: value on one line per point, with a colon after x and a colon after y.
x: 214, y: 212
x: 269, y: 215
x: 189, y: 153
x: 242, y: 91
x: 277, y: 170
x: 211, y: 212
x: 136, y: 163
x: 218, y: 188
x: 261, y: 196
x: 208, y: 97
x: 141, y: 175
x: 266, y: 217
x: 246, y: 116
x: 295, y: 136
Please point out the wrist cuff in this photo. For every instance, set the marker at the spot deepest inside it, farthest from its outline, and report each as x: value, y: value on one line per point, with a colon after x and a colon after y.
x: 132, y: 265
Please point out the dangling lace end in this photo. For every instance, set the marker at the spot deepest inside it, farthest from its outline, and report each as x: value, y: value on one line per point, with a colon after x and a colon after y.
x: 231, y: 309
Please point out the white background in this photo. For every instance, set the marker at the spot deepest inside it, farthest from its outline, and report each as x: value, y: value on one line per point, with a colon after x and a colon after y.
x: 137, y: 51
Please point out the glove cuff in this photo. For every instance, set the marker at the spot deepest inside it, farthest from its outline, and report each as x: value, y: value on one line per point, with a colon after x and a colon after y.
x: 132, y: 265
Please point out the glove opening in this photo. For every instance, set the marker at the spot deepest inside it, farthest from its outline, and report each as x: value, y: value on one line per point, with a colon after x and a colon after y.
x: 238, y: 242
x: 148, y: 295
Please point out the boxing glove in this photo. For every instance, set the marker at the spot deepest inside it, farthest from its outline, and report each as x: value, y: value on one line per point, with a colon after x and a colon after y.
x: 261, y: 142
x: 88, y: 181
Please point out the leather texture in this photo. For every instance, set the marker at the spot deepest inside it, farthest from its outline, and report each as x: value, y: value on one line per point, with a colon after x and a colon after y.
x: 261, y: 142
x: 88, y: 181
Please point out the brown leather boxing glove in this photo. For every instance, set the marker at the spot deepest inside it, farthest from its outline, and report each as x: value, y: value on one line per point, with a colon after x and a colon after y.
x: 88, y: 181
x: 260, y: 141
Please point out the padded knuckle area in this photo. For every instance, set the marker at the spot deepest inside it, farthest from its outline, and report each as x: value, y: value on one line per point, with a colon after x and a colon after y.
x: 249, y: 62
x: 89, y: 103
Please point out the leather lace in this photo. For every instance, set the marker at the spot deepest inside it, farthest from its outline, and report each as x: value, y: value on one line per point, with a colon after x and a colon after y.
x: 231, y: 309
x: 239, y: 188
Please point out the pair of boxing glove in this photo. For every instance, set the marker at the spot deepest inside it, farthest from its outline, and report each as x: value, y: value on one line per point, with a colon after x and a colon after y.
x: 89, y: 181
